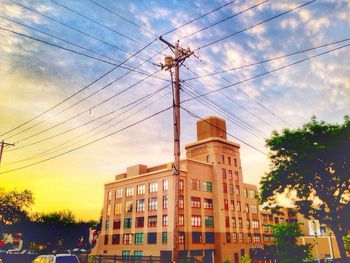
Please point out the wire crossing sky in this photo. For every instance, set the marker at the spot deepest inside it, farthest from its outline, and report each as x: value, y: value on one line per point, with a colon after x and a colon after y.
x: 82, y: 96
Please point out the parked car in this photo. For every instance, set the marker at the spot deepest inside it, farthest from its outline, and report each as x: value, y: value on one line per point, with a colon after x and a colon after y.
x: 59, y: 258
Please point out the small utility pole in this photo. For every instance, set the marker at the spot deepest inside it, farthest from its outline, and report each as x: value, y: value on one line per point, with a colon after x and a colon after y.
x: 170, y: 62
x: 2, y: 146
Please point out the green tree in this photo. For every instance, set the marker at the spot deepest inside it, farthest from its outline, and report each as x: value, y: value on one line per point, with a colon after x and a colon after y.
x: 311, y: 166
x: 285, y: 243
x: 14, y: 206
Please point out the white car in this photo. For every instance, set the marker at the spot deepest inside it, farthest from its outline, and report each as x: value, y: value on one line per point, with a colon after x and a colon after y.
x: 59, y: 258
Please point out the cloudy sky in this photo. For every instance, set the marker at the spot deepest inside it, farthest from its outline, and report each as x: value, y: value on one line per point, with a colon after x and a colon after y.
x: 74, y: 129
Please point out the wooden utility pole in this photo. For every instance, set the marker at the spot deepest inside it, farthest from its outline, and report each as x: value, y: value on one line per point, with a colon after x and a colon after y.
x: 2, y: 146
x: 180, y: 56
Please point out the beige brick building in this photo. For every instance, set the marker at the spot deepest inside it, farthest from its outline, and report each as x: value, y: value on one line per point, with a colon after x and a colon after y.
x: 219, y: 216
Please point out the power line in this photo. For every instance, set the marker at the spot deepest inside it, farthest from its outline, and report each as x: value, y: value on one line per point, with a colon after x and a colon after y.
x: 255, y: 25
x: 225, y: 19
x: 76, y: 30
x: 81, y: 125
x: 89, y: 143
x: 87, y: 110
x: 221, y: 110
x: 196, y: 116
x: 82, y: 89
x: 197, y: 18
x: 268, y: 72
x: 268, y: 60
x: 59, y: 147
x: 234, y: 101
x: 71, y: 50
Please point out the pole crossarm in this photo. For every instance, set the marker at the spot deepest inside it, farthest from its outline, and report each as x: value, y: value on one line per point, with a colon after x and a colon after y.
x: 3, y: 144
x: 180, y: 55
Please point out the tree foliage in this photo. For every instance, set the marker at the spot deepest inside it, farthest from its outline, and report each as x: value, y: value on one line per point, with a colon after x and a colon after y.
x: 285, y: 242
x: 311, y: 165
x: 14, y: 206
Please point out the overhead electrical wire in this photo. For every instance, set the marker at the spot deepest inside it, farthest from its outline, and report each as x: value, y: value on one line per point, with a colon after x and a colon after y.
x: 270, y: 71
x: 68, y: 143
x: 89, y: 143
x: 225, y: 19
x: 217, y: 127
x: 255, y: 25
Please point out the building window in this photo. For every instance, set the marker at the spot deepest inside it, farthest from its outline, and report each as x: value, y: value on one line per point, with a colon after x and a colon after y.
x: 140, y: 205
x: 235, y: 161
x: 106, y: 240
x: 232, y: 205
x: 153, y: 187
x: 256, y: 238
x: 224, y: 186
x: 164, y: 237
x: 118, y: 208
x: 129, y: 191
x: 208, y: 159
x: 107, y: 224
x: 152, y: 221
x: 118, y: 193
x: 252, y: 194
x: 249, y: 238
x: 228, y: 238
x: 165, y: 202
x: 115, y: 239
x: 238, y: 206
x: 223, y: 173
x: 247, y: 208
x: 152, y: 204
x: 248, y: 223
x: 181, y: 237
x: 223, y: 159
x: 196, y: 220
x: 109, y: 195
x: 141, y: 189
x: 266, y: 228
x: 245, y: 193
x: 266, y: 238
x: 181, y: 201
x: 116, y: 224
x: 195, y: 184
x: 229, y: 160
x: 225, y: 204
x: 234, y: 237
x: 165, y: 185
x: 240, y: 237
x: 127, y: 239
x: 128, y: 206
x: 152, y: 238
x: 196, y: 237
x: 209, y: 221
x: 138, y: 238
x: 209, y: 237
x: 254, y: 209
x: 138, y: 255
x: 207, y: 187
x: 195, y: 202
x: 208, y: 203
x: 181, y: 185
x: 227, y: 221
x: 108, y: 210
x: 237, y: 189
x: 240, y: 225
x: 125, y: 254
x: 181, y: 220
x: 233, y: 221
x: 264, y: 217
x: 139, y: 221
x: 231, y: 189
x: 127, y: 222
x: 165, y: 220
x: 255, y: 224
x: 230, y: 177
x: 236, y: 175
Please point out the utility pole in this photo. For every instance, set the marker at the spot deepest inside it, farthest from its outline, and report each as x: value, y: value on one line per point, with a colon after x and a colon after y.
x: 3, y: 145
x: 170, y: 62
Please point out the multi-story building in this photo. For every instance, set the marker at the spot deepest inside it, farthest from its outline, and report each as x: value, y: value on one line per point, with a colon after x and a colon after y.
x: 218, y: 213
